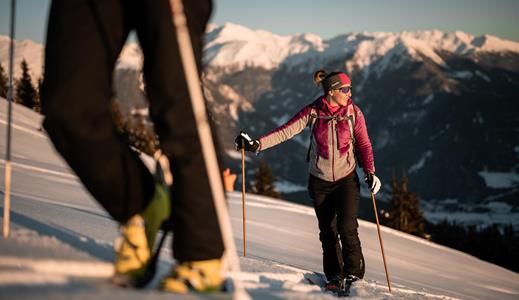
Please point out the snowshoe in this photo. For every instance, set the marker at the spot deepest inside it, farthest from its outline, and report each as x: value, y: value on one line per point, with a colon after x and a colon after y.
x: 333, y: 285
x: 337, y: 286
x: 345, y: 287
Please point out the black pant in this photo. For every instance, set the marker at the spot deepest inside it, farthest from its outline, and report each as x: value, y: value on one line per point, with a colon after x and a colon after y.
x: 336, y: 206
x: 84, y: 40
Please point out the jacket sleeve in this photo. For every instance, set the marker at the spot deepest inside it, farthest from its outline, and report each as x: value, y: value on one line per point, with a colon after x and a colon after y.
x: 363, y: 143
x: 287, y: 130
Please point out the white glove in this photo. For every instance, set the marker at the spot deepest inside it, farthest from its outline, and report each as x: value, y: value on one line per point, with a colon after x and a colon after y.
x: 373, y: 182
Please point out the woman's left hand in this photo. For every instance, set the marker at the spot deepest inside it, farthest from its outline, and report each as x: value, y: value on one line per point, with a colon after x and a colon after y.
x: 373, y: 182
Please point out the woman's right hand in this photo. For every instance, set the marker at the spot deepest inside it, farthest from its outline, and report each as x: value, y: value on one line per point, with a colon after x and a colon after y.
x: 244, y: 141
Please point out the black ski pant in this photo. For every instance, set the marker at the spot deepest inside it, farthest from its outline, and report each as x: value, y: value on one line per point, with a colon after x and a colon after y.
x: 84, y: 40
x: 336, y: 206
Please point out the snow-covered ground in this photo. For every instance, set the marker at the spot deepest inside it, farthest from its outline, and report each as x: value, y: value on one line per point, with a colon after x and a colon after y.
x: 61, y: 243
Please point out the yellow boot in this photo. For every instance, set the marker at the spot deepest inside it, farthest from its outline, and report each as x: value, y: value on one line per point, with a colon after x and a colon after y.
x: 200, y: 276
x: 134, y: 246
x: 132, y: 252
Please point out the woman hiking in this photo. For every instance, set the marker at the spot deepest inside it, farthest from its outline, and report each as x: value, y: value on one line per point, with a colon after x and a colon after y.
x: 338, y: 133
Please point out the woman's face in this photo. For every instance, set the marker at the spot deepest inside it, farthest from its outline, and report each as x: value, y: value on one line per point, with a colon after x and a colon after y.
x: 341, y: 95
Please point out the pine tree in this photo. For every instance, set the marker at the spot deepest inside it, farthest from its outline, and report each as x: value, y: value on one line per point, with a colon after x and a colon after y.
x: 3, y: 82
x: 263, y: 183
x: 405, y: 214
x: 26, y: 94
x: 37, y: 104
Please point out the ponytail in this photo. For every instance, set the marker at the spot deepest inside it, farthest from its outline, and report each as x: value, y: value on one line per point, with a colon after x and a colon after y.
x: 319, y: 76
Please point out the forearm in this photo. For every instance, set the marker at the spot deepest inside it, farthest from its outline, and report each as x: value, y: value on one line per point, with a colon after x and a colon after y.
x: 285, y: 131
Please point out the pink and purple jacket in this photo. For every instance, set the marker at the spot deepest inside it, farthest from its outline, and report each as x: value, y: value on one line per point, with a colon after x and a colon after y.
x: 331, y: 149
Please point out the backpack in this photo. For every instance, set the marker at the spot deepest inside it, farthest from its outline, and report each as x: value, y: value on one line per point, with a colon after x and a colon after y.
x: 351, y: 115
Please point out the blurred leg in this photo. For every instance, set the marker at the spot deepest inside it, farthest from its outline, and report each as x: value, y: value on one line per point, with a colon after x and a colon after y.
x: 195, y: 225
x: 83, y: 42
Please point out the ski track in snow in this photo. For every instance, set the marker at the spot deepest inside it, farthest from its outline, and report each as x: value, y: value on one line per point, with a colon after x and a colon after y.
x: 42, y: 170
x: 53, y: 270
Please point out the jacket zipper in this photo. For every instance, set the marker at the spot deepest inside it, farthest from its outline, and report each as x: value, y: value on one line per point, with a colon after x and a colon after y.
x: 333, y: 150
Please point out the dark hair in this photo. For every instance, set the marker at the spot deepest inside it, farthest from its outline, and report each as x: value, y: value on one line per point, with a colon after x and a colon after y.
x: 321, y: 75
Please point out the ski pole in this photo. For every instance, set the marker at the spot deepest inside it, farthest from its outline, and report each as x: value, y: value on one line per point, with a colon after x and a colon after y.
x: 206, y: 140
x: 380, y: 239
x: 7, y: 192
x: 243, y: 197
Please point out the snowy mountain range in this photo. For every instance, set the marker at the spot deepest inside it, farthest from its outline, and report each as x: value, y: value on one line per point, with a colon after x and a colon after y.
x: 440, y: 106
x: 235, y: 46
x: 61, y: 243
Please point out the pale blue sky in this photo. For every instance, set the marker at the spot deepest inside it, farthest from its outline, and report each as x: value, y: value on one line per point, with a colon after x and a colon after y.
x: 326, y: 18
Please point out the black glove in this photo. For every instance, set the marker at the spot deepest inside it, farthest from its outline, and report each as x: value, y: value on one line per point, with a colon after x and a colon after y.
x: 373, y: 182
x: 244, y: 141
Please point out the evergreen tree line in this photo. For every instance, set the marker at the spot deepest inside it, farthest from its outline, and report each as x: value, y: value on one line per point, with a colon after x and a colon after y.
x: 137, y: 129
x: 25, y: 92
x: 495, y: 244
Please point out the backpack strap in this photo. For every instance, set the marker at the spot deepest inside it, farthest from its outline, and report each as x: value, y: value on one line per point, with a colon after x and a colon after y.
x: 350, y: 115
x: 313, y: 118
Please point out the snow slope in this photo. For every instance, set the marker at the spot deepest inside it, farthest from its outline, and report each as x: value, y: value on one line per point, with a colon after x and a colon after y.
x: 60, y: 247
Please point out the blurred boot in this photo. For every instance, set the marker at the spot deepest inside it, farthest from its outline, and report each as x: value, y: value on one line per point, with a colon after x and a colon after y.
x: 199, y: 276
x: 134, y: 246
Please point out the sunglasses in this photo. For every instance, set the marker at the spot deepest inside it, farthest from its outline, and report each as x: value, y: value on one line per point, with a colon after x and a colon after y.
x: 345, y: 89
